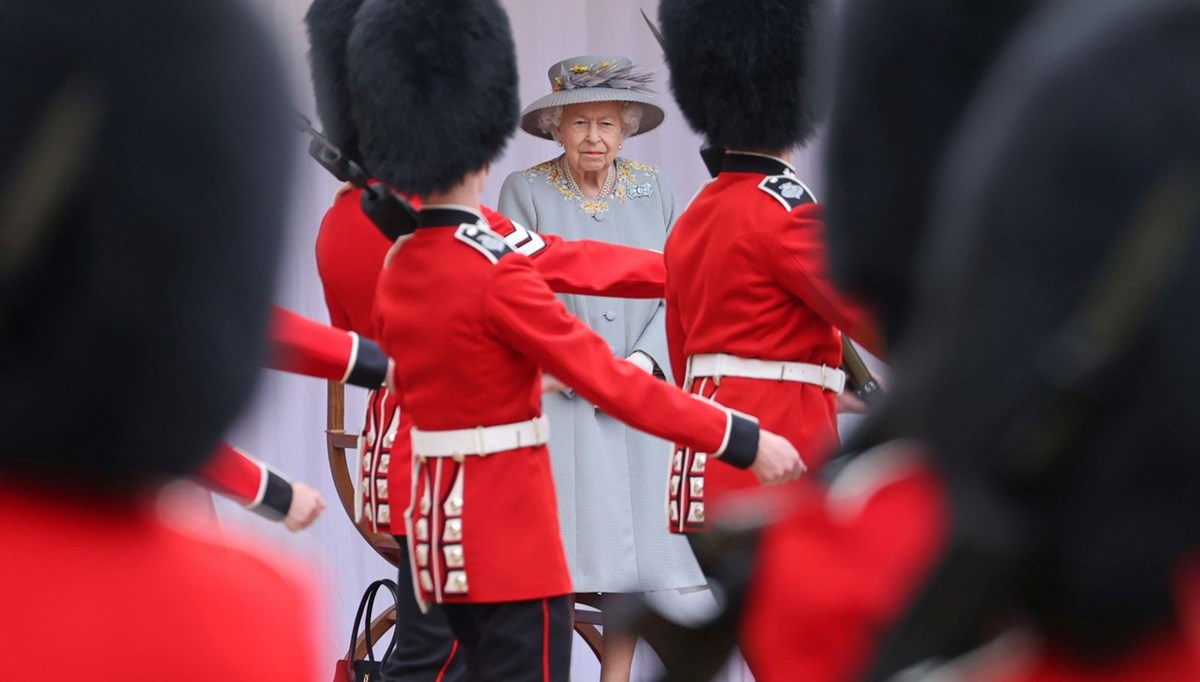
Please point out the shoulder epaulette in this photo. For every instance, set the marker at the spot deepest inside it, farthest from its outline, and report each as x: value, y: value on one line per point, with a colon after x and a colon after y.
x: 483, y: 240
x: 787, y: 190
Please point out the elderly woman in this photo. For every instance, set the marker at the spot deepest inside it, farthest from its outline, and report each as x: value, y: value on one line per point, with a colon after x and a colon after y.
x: 609, y: 478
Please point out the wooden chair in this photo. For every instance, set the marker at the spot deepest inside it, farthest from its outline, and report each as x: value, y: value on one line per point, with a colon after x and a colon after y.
x: 338, y: 442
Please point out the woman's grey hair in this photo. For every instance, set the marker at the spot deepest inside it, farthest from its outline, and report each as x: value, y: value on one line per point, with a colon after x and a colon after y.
x: 631, y: 119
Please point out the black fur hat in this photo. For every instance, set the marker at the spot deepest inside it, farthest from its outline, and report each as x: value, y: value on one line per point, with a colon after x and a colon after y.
x: 739, y: 70
x: 329, y: 24
x: 434, y: 87
x: 1067, y: 154
x: 903, y: 74
x: 132, y: 327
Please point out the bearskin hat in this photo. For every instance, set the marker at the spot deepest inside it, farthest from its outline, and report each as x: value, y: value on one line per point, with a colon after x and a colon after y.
x: 329, y: 24
x: 133, y: 325
x: 434, y: 88
x: 739, y: 70
x: 1029, y: 280
x: 889, y: 127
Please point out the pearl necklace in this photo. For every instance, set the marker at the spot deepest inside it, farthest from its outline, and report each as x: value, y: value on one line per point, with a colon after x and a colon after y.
x: 610, y: 179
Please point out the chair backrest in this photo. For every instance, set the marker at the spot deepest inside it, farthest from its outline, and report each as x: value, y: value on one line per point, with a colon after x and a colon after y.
x: 339, y: 443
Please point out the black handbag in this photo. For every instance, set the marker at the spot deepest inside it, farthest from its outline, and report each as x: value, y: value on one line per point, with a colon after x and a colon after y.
x: 369, y: 670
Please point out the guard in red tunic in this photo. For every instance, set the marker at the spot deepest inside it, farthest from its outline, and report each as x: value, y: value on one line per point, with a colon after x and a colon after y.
x: 471, y: 325
x: 752, y: 319
x: 885, y: 518
x: 1055, y: 367
x: 137, y: 252
x: 350, y: 253
x: 1049, y: 391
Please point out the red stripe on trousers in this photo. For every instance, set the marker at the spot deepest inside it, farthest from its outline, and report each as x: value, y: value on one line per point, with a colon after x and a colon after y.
x: 449, y: 659
x: 545, y: 640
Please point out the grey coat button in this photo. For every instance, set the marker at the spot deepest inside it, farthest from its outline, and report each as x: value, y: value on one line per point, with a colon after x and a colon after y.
x: 610, y: 315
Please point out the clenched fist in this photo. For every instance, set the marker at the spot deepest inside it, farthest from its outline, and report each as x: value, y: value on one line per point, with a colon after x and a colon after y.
x: 307, y: 505
x: 777, y: 461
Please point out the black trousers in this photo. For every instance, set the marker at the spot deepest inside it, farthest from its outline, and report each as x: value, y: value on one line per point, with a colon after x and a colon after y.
x: 426, y: 650
x: 519, y: 641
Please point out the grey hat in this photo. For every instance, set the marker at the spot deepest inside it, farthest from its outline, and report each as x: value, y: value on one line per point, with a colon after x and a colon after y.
x: 595, y: 78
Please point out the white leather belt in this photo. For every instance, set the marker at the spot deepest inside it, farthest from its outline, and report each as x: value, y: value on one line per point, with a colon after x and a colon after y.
x: 719, y: 365
x: 481, y: 440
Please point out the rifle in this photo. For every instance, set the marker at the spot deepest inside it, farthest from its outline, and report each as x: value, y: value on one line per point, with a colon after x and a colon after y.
x: 860, y: 380
x: 390, y: 212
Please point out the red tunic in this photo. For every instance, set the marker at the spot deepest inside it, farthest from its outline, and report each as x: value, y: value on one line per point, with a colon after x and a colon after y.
x: 838, y: 572
x: 471, y: 326
x: 136, y: 598
x: 1168, y: 657
x: 350, y: 255
x: 303, y: 346
x: 747, y: 276
x: 839, y: 569
x: 235, y: 474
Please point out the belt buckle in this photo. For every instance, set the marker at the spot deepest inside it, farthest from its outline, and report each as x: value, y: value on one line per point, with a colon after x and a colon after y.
x: 825, y: 377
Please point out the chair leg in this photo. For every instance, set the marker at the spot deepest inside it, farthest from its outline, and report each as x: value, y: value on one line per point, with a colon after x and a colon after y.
x: 586, y: 623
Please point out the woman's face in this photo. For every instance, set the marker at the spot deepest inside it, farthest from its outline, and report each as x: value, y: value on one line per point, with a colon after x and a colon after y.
x: 591, y: 135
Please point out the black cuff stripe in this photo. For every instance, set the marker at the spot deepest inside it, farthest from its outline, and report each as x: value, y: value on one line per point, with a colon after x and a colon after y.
x: 370, y: 367
x: 743, y: 442
x: 277, y: 499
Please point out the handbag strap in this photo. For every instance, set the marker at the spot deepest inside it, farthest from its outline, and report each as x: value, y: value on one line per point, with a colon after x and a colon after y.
x: 395, y: 599
x: 365, y: 608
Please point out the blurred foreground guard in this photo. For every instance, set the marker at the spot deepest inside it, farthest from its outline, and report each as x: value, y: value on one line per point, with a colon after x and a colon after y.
x: 883, y: 518
x: 136, y: 251
x: 884, y: 521
x: 1052, y: 377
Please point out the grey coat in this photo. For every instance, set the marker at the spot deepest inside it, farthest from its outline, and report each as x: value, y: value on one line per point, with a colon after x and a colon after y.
x: 610, y: 479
